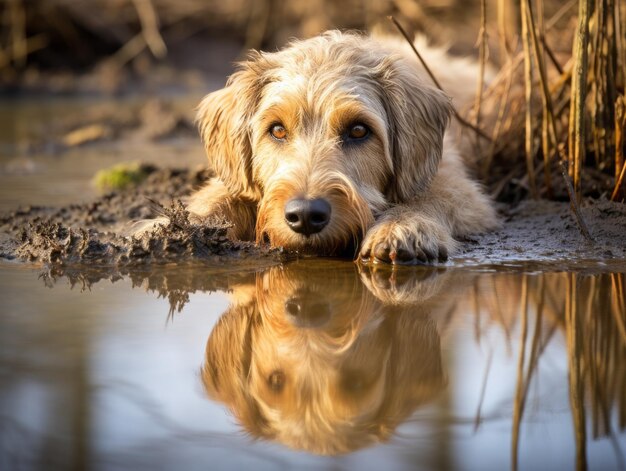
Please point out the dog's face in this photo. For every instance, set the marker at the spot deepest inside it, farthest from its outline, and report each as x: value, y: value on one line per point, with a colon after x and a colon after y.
x: 324, y: 135
x: 315, y: 361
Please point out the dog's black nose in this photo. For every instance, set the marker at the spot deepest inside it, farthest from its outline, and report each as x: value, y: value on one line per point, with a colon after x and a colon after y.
x: 308, y: 309
x: 306, y: 216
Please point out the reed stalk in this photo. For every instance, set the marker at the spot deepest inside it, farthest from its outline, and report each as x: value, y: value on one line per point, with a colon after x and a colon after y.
x: 482, y: 60
x: 528, y: 97
x: 575, y: 370
x: 577, y: 130
x: 520, y: 396
x: 620, y: 127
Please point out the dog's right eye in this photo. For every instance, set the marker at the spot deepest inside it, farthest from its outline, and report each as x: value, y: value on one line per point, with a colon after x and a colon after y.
x: 356, y: 132
x: 278, y: 131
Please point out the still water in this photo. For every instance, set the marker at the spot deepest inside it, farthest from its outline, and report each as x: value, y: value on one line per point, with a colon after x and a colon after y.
x: 316, y: 364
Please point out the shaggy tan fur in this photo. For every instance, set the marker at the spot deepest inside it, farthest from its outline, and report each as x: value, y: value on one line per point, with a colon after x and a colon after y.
x: 402, y: 194
x: 325, y: 360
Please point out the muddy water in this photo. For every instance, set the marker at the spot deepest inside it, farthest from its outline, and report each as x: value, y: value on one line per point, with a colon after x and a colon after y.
x: 37, y: 169
x: 317, y: 364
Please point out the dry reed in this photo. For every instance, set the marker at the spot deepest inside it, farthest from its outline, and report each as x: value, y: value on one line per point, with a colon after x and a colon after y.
x: 590, y: 312
x: 568, y: 109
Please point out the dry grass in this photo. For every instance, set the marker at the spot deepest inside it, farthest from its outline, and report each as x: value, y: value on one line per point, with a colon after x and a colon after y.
x: 570, y: 113
x: 565, y: 117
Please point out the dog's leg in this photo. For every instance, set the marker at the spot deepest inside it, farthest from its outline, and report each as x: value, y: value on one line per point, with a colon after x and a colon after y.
x: 426, y: 228
x: 214, y: 200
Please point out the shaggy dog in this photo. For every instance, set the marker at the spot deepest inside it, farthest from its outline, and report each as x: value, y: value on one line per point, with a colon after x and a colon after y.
x: 339, y: 142
x: 316, y: 359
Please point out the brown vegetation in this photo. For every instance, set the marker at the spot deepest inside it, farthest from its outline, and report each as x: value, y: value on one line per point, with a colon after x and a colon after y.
x: 563, y: 115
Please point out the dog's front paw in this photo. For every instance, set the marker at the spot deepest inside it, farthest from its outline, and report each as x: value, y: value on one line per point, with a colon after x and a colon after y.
x: 412, y: 242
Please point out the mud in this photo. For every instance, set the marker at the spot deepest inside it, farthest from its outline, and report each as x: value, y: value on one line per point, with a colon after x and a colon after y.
x: 546, y: 232
x: 93, y: 233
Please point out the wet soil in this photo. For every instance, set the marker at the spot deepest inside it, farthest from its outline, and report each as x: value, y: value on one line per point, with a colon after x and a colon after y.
x: 546, y: 232
x: 93, y: 232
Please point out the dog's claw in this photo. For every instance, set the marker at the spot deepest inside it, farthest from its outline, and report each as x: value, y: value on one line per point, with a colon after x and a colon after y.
x: 420, y: 255
x: 443, y: 254
x: 365, y: 255
x: 404, y: 256
x: 430, y: 254
x: 382, y: 253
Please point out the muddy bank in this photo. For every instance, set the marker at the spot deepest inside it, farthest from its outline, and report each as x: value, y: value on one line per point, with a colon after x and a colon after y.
x: 93, y: 233
x: 546, y: 232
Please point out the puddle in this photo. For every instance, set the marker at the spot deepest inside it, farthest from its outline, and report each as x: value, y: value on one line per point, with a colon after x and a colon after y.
x: 315, y: 363
x: 177, y: 362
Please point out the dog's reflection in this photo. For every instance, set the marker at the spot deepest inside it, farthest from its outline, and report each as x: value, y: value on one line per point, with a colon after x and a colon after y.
x: 327, y: 360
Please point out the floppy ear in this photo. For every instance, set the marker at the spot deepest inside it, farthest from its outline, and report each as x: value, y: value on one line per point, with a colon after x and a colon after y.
x: 418, y: 116
x: 223, y: 120
x: 226, y: 368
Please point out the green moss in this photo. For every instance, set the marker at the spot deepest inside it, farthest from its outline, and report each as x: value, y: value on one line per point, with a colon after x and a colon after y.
x: 122, y: 176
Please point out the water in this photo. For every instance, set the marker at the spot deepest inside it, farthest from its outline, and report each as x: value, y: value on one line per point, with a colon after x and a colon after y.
x: 315, y: 364
x: 35, y: 169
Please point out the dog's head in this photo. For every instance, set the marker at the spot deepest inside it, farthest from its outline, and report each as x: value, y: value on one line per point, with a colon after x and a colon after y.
x: 324, y: 134
x: 314, y: 360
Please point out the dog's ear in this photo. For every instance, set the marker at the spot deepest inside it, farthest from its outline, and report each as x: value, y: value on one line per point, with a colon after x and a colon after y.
x: 226, y: 368
x: 224, y: 122
x: 418, y: 116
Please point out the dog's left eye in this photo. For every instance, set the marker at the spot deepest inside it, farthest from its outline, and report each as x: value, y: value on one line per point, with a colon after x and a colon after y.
x: 278, y: 132
x: 357, y: 131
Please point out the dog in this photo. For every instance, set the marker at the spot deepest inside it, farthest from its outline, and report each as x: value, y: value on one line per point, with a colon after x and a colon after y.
x: 325, y: 358
x: 338, y: 143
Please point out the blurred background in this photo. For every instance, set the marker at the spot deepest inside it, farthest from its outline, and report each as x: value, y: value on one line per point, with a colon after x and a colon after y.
x: 44, y: 44
x: 165, y: 48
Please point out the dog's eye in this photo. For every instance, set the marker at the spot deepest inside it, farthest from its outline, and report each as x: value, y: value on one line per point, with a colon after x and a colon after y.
x: 278, y: 131
x: 358, y: 131
x: 276, y: 381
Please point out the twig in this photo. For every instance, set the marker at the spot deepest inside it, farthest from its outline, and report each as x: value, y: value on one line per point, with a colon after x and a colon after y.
x: 551, y: 55
x: 260, y: 14
x: 33, y: 43
x: 618, y: 184
x: 483, y: 390
x: 436, y: 82
x: 150, y: 27
x: 572, y: 198
x: 18, y: 33
x: 127, y: 52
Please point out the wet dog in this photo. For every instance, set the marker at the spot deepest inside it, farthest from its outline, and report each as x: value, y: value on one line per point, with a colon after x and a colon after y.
x: 339, y: 142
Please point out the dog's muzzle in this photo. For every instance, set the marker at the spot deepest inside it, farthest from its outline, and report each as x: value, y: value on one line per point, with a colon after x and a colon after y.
x: 307, y: 216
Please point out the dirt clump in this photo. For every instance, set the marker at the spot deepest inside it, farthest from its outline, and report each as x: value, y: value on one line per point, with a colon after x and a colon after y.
x: 96, y: 232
